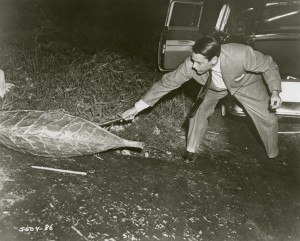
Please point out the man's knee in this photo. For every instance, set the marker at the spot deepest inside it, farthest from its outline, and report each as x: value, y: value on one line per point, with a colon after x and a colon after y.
x: 272, y: 119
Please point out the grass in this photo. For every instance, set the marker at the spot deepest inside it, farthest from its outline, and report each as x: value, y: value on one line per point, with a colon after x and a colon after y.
x: 97, y: 80
x: 96, y: 86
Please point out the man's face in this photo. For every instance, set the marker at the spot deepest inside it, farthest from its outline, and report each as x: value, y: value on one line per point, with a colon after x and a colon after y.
x: 201, y: 64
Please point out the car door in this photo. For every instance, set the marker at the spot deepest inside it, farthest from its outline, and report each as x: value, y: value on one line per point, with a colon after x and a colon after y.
x: 186, y: 21
x: 179, y: 33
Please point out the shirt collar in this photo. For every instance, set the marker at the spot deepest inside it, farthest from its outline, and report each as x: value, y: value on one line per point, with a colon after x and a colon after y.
x: 217, y: 67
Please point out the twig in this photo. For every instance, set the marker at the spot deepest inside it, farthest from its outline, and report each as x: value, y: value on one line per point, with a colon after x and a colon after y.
x: 59, y: 170
x: 206, y: 219
x: 212, y: 132
x: 98, y: 157
x: 79, y: 233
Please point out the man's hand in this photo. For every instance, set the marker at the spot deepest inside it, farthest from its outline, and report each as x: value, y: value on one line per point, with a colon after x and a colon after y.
x: 130, y: 114
x: 275, y: 101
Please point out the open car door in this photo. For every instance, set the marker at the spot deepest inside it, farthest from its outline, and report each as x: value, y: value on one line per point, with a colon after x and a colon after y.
x: 179, y: 33
x: 187, y: 21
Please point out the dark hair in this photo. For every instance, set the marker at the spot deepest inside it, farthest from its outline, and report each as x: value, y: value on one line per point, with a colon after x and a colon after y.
x: 208, y: 47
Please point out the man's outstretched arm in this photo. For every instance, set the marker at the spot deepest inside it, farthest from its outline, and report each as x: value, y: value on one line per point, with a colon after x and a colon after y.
x: 168, y: 82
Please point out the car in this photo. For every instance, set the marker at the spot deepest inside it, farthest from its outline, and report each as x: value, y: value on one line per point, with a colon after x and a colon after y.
x: 271, y: 27
x: 275, y: 32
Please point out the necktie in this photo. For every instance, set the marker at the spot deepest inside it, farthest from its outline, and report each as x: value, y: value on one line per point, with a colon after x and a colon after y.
x: 201, y: 95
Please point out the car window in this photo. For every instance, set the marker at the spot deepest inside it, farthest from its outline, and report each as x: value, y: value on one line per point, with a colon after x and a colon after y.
x: 280, y: 17
x: 242, y: 22
x: 185, y: 14
x: 210, y: 16
x: 275, y: 18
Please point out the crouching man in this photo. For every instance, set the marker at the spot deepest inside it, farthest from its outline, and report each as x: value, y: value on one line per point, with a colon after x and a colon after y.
x: 231, y: 68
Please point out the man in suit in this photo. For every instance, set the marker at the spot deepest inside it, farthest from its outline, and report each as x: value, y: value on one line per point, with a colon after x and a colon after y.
x: 252, y: 77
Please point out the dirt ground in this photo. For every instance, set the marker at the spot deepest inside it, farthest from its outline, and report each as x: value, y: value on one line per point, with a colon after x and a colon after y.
x: 231, y: 192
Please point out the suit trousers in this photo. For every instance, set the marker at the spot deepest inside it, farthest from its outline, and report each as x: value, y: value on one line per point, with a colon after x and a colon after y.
x: 266, y: 122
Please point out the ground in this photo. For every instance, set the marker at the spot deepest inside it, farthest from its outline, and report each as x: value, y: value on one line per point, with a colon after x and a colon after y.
x: 93, y: 60
x: 231, y: 192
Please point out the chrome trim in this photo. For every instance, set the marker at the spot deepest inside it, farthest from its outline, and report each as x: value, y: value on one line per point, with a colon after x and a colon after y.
x: 180, y: 43
x: 223, y: 17
x: 276, y: 36
x: 178, y: 48
x: 272, y: 4
x: 183, y: 28
x: 281, y: 112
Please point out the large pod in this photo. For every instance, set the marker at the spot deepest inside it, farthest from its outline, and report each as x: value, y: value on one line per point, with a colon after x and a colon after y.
x: 56, y: 134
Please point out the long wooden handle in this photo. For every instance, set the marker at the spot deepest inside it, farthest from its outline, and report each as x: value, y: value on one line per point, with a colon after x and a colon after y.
x: 112, y: 121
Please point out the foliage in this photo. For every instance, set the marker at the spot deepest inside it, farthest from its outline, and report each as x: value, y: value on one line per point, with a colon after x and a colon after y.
x: 95, y: 86
x: 88, y: 68
x: 85, y: 57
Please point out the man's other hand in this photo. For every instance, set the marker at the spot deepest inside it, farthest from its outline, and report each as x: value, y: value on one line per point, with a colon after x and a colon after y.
x: 275, y: 101
x: 130, y: 114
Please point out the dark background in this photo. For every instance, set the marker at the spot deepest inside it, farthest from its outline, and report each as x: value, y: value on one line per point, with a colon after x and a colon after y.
x: 129, y: 26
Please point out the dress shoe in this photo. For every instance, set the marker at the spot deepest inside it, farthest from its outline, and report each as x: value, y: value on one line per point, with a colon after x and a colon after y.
x: 280, y: 160
x: 189, y: 156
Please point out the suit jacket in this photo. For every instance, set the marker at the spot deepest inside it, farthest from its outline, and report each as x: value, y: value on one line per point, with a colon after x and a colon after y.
x: 243, y: 69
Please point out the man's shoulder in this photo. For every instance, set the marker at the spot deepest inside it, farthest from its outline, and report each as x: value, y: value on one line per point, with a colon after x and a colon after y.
x: 235, y: 50
x: 234, y: 46
x: 188, y: 61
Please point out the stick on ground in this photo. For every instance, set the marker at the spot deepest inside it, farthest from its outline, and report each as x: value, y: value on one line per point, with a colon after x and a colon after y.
x: 79, y: 233
x: 59, y: 170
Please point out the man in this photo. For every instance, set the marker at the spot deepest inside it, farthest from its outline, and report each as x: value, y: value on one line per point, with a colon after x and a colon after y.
x: 229, y: 68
